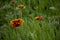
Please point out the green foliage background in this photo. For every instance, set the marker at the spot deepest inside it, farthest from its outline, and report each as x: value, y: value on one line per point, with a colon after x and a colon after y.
x: 47, y: 29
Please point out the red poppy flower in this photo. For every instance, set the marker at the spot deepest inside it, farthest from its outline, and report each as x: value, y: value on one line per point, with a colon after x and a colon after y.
x: 39, y: 18
x: 16, y: 22
x: 21, y: 6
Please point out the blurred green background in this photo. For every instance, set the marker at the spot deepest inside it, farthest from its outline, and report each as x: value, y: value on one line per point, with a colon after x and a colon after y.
x: 31, y: 29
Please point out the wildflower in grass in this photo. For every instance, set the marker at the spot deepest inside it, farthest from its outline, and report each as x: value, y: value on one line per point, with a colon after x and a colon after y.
x: 12, y: 1
x: 21, y: 6
x: 16, y: 22
x: 39, y: 18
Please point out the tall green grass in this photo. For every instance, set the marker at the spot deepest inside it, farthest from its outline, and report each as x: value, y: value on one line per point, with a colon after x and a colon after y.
x: 31, y: 29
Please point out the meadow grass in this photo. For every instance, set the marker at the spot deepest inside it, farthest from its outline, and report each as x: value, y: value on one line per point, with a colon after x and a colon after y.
x: 31, y: 29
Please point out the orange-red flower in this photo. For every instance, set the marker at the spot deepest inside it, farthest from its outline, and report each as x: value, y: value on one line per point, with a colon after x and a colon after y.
x: 39, y: 18
x: 21, y: 6
x: 16, y: 22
